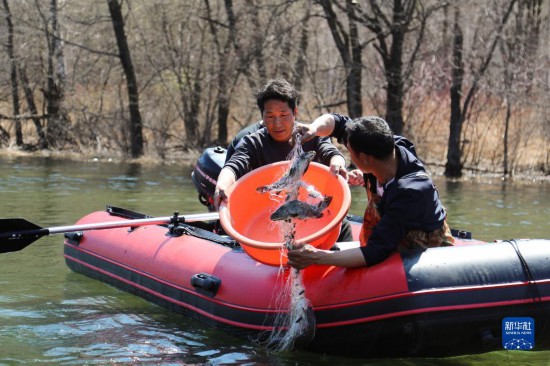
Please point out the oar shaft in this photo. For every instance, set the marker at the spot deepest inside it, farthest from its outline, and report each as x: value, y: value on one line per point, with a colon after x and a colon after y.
x: 16, y: 234
x: 137, y: 222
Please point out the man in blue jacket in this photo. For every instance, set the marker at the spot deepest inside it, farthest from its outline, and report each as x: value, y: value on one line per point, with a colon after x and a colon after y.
x: 403, y: 211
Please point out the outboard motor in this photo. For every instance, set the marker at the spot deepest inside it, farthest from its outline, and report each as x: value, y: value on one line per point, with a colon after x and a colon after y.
x: 205, y: 174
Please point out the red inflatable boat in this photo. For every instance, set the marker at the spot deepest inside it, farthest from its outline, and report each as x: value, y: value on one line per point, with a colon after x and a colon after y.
x: 437, y: 302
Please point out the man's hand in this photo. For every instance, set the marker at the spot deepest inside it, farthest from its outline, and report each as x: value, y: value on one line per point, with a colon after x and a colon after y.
x: 302, y: 133
x: 219, y: 197
x: 321, y: 126
x: 355, y: 178
x: 306, y: 132
x: 338, y: 169
x: 226, y: 179
x: 303, y: 257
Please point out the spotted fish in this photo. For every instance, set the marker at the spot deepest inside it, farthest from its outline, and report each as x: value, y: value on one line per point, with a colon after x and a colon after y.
x: 296, y: 209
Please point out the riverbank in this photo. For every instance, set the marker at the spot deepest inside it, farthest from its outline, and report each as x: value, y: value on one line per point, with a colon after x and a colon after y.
x: 188, y: 158
x: 179, y: 158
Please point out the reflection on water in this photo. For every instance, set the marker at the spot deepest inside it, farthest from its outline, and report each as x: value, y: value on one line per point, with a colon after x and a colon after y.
x: 499, y: 210
x: 51, y: 315
x: 489, y: 209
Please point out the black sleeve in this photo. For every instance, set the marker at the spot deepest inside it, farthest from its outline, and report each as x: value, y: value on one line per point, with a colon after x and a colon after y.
x: 244, y: 159
x: 392, y: 228
x: 340, y: 128
x: 244, y: 132
x: 325, y: 150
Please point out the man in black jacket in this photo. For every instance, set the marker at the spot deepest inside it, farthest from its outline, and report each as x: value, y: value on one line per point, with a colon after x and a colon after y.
x: 404, y: 210
x: 277, y: 102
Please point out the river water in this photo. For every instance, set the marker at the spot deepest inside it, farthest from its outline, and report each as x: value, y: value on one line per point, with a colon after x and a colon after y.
x: 50, y: 315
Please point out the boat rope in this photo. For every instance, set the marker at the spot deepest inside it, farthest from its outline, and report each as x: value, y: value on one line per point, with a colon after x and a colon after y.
x: 530, y: 278
x: 207, y: 235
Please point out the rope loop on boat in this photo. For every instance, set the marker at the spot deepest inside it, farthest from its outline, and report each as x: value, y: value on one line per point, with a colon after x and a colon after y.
x: 526, y: 270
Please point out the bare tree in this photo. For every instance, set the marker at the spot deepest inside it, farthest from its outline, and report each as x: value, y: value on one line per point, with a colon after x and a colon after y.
x: 13, y: 74
x: 226, y: 76
x: 29, y: 96
x: 136, y: 133
x: 459, y: 111
x: 390, y: 24
x: 301, y: 58
x: 198, y: 65
x: 16, y: 65
x: 519, y: 51
x: 257, y: 39
x: 183, y: 60
x: 54, y: 91
x: 350, y: 49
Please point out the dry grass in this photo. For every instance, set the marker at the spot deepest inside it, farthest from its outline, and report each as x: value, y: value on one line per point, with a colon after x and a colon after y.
x: 427, y: 125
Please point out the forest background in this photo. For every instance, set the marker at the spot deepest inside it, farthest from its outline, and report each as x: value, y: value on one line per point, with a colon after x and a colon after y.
x: 467, y: 81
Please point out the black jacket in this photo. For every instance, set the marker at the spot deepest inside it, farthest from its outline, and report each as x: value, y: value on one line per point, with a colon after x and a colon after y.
x: 409, y: 202
x: 259, y: 148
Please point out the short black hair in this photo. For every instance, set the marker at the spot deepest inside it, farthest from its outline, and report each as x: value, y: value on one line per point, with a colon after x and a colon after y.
x: 370, y: 135
x: 279, y: 89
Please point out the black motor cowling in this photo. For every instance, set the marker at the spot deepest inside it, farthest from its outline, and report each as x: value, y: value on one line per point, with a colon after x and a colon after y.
x: 205, y: 174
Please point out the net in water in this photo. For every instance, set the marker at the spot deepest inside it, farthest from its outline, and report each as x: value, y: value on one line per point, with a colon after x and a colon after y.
x: 294, y: 323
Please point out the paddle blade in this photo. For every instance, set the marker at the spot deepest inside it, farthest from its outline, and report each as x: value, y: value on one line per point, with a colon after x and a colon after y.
x: 16, y: 234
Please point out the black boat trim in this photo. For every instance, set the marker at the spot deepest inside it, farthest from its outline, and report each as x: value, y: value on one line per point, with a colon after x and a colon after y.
x: 189, y: 301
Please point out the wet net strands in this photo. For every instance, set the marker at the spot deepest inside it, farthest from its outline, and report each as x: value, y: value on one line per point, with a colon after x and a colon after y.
x: 295, y: 320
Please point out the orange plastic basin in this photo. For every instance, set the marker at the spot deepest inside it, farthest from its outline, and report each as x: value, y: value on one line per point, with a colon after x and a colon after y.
x: 245, y: 217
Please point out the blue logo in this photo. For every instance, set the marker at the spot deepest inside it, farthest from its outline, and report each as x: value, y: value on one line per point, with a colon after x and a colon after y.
x: 518, y: 333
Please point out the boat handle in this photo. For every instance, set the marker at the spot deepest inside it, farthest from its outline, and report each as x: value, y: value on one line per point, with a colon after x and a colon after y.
x: 206, y: 284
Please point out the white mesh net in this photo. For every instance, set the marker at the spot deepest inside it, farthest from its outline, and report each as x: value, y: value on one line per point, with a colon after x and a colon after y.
x: 295, y: 320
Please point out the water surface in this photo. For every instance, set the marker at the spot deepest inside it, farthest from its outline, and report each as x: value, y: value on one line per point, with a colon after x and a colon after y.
x: 50, y: 315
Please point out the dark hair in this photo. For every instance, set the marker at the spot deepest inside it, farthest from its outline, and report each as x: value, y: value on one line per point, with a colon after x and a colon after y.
x: 279, y: 89
x: 370, y: 135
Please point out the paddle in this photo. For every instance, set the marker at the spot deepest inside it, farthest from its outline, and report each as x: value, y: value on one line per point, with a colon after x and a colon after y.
x: 17, y: 233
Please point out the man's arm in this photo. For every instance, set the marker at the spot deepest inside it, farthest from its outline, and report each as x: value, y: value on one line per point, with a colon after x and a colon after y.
x: 226, y: 179
x: 321, y: 126
x: 308, y: 255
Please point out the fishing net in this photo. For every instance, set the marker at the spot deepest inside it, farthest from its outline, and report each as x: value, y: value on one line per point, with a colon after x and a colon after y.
x: 294, y: 322
x: 288, y: 189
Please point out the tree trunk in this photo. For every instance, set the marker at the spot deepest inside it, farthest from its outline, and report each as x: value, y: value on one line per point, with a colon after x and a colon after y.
x: 222, y: 97
x: 58, y: 121
x: 29, y: 96
x: 258, y: 41
x: 13, y: 75
x: 192, y: 113
x: 453, y: 168
x: 350, y: 51
x: 300, y: 65
x: 355, y: 72
x: 505, y: 164
x: 394, y: 70
x: 136, y: 134
x: 392, y: 22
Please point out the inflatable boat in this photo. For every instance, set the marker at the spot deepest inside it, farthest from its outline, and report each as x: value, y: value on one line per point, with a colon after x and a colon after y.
x: 469, y: 298
x: 437, y: 302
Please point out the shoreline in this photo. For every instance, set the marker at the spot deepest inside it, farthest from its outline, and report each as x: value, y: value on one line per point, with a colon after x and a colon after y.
x: 188, y: 159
